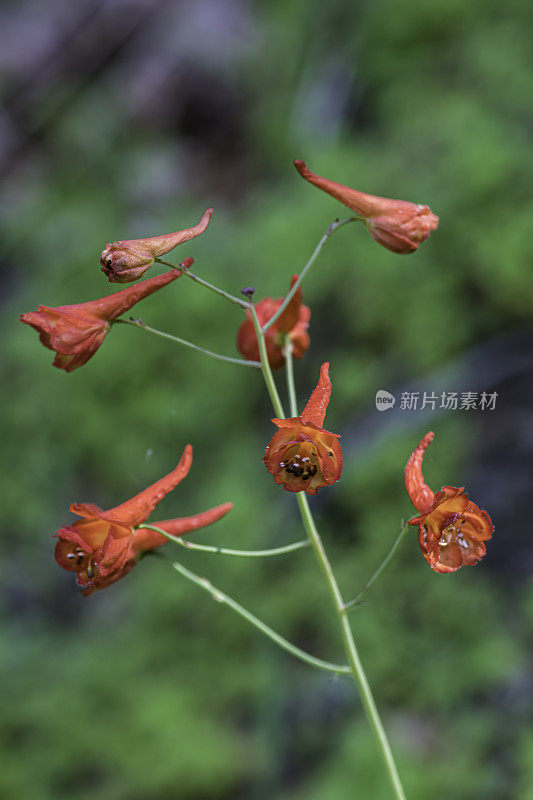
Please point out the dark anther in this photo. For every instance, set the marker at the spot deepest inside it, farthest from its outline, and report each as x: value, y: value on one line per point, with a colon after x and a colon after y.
x: 248, y: 292
x: 90, y: 571
x: 301, y: 470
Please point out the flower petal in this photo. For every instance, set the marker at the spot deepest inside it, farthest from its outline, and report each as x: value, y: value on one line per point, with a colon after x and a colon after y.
x: 452, y: 533
x: 288, y: 318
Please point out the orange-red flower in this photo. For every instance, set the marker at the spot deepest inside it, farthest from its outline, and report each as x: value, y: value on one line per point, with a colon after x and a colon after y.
x: 293, y: 322
x: 398, y: 225
x: 104, y: 546
x: 452, y: 530
x: 76, y: 332
x: 128, y: 260
x: 302, y: 456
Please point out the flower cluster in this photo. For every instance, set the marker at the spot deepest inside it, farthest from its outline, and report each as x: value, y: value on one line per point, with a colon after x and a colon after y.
x: 103, y: 546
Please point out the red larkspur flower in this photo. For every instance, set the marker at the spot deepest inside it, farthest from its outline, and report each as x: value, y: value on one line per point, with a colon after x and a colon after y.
x: 76, y: 332
x: 302, y: 456
x: 398, y: 225
x: 128, y: 260
x: 452, y: 530
x: 293, y: 322
x: 104, y: 546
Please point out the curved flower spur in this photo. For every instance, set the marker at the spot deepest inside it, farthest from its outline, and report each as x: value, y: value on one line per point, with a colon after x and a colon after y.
x: 302, y: 456
x: 452, y: 530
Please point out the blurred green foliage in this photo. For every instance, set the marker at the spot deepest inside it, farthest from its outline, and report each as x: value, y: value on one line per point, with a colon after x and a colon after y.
x: 149, y: 690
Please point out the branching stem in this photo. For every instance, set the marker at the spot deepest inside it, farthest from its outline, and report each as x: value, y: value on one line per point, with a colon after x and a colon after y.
x: 331, y: 230
x: 265, y: 366
x: 138, y: 323
x: 341, y: 611
x: 226, y: 551
x: 236, y: 300
x: 221, y: 597
x: 357, y: 671
x: 384, y: 564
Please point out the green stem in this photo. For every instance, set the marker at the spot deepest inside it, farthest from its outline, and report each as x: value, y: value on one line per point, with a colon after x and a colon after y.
x: 331, y: 230
x: 221, y: 597
x: 138, y: 323
x: 265, y: 366
x: 193, y: 277
x: 357, y: 671
x: 226, y: 551
x: 356, y: 668
x: 289, y: 371
x: 384, y: 564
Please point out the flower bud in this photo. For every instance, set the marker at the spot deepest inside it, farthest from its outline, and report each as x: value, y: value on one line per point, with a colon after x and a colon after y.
x: 76, y: 332
x: 398, y: 225
x: 128, y: 260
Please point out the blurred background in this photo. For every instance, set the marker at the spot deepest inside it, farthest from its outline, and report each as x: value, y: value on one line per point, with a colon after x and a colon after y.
x: 127, y: 118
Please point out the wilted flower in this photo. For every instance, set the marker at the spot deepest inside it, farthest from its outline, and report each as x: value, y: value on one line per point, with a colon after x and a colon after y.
x: 398, y: 225
x: 302, y: 456
x: 104, y: 546
x: 76, y: 332
x: 293, y: 322
x: 128, y: 260
x: 452, y: 529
